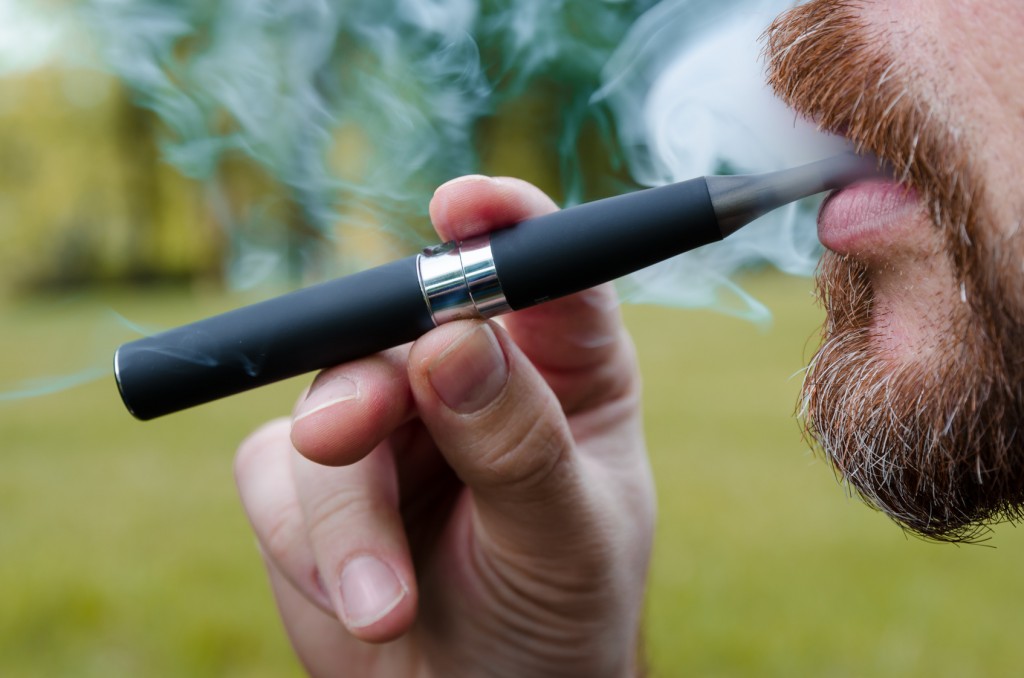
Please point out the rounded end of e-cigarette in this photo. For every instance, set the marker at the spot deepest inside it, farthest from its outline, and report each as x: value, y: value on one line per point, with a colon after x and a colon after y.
x: 120, y: 383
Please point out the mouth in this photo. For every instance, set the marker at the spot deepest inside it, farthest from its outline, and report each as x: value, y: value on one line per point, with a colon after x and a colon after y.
x: 871, y: 217
x: 866, y: 219
x: 826, y: 62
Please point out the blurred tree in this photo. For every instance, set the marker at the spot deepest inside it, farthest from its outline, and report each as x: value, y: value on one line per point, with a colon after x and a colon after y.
x: 84, y: 195
x: 307, y: 136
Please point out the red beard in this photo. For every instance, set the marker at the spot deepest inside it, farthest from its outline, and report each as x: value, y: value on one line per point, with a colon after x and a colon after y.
x: 932, y: 441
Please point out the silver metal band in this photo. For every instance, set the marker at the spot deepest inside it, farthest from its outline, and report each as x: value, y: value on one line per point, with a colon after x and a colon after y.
x: 459, y: 281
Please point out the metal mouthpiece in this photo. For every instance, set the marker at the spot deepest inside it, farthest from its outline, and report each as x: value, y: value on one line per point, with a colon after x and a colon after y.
x: 740, y: 199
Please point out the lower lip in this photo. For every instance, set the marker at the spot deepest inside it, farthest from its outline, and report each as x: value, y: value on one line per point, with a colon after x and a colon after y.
x: 865, y: 217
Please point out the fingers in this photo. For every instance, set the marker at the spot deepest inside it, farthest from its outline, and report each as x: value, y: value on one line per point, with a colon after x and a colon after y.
x: 578, y: 342
x: 334, y: 534
x: 264, y: 477
x: 354, y: 526
x: 319, y: 640
x: 581, y: 347
x: 351, y: 408
x: 500, y: 428
x: 474, y: 204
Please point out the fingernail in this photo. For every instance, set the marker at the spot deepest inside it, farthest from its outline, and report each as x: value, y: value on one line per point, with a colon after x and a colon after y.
x: 369, y: 590
x: 471, y: 372
x: 327, y: 394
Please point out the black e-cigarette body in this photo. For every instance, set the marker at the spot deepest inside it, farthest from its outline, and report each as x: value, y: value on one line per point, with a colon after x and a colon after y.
x: 526, y: 264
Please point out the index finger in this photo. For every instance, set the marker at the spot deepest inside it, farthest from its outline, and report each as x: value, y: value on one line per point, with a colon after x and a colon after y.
x: 577, y: 342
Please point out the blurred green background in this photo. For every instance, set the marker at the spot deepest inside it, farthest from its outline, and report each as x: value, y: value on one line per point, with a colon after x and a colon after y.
x: 123, y: 549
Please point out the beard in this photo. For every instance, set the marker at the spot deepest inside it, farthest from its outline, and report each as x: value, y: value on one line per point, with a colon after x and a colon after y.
x: 932, y: 439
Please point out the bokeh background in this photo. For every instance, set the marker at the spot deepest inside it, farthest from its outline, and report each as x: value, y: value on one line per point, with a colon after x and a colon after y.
x: 123, y: 549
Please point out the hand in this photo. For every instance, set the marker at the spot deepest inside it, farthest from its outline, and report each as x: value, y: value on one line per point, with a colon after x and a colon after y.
x: 479, y: 504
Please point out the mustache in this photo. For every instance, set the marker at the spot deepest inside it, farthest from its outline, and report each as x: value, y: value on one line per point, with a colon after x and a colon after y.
x: 832, y: 67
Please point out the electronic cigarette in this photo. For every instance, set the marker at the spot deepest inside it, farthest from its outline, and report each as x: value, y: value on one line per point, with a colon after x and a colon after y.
x: 526, y: 264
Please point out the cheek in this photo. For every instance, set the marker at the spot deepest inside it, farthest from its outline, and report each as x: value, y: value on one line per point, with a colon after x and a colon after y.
x: 989, y: 30
x: 991, y: 80
x: 968, y: 61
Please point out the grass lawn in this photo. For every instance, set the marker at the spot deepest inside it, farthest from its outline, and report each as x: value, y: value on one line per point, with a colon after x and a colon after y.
x: 123, y: 550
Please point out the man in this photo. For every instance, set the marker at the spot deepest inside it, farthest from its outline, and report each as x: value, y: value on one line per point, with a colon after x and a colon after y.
x: 488, y: 505
x: 916, y: 394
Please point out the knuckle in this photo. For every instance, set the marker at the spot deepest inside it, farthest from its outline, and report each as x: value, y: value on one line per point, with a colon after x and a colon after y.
x: 615, y: 377
x: 253, y: 449
x: 345, y: 506
x: 282, y: 535
x: 526, y: 458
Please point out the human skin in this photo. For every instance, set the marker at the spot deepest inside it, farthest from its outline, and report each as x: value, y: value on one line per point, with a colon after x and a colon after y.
x: 916, y: 393
x: 477, y: 504
x: 532, y: 562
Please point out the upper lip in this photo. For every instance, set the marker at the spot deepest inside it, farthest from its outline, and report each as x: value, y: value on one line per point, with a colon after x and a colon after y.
x: 841, y: 100
x: 840, y: 124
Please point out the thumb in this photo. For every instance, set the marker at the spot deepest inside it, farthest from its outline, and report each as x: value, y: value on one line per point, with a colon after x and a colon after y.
x: 502, y: 430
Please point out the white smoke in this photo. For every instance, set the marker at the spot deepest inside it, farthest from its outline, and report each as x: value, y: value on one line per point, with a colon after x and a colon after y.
x: 413, y: 78
x: 277, y: 81
x: 30, y: 36
x: 355, y: 107
x: 689, y: 95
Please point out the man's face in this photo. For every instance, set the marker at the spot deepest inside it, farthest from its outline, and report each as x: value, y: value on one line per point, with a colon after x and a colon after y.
x: 917, y: 393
